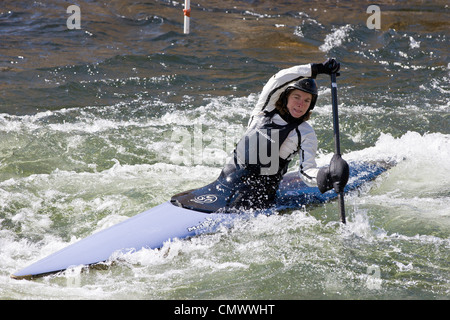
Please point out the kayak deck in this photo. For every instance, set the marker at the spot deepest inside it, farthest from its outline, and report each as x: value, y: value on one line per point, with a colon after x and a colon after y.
x: 151, y: 228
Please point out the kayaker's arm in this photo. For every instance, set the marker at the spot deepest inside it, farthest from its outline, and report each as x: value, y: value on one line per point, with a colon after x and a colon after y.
x: 307, y: 155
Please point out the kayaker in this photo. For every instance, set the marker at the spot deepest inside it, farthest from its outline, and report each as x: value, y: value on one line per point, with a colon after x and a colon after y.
x: 278, y: 130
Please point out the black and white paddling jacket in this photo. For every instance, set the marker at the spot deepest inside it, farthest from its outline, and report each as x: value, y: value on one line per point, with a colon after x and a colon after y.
x: 307, y: 146
x: 261, y: 158
x: 251, y: 176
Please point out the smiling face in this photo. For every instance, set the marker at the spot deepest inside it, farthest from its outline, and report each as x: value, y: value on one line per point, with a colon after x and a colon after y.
x: 298, y: 102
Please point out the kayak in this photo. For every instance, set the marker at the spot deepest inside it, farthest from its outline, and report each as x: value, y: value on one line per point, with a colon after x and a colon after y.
x: 171, y: 220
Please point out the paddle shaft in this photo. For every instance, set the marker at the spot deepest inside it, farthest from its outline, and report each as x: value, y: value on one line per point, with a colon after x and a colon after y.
x: 337, y: 145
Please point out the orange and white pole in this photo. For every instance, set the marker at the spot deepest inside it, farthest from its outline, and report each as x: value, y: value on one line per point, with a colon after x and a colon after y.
x: 187, y: 15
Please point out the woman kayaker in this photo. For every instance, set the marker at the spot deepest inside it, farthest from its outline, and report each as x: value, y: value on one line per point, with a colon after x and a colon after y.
x: 278, y: 130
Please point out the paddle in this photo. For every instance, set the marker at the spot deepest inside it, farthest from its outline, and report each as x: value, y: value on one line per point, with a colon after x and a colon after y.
x: 340, y: 166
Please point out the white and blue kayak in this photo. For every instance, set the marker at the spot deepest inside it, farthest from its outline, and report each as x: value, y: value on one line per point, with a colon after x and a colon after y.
x: 152, y: 228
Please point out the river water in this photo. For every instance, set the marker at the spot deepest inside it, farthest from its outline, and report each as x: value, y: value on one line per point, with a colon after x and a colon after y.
x: 101, y: 123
